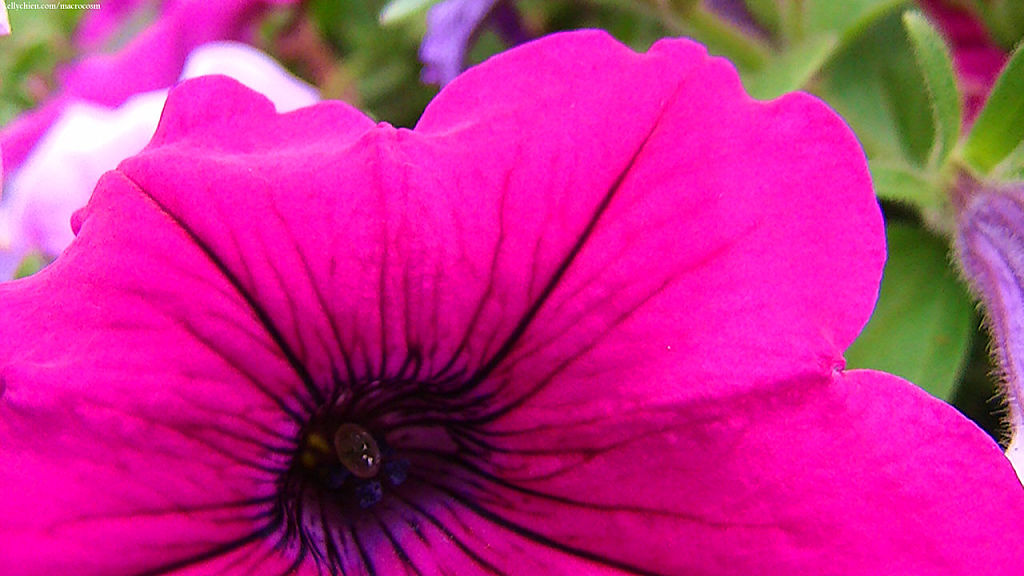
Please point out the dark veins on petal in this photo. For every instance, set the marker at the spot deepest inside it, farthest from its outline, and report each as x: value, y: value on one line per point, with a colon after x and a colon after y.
x: 384, y: 452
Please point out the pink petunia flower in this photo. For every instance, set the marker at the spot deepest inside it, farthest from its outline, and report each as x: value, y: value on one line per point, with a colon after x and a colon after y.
x: 88, y: 140
x: 552, y: 330
x: 151, y: 60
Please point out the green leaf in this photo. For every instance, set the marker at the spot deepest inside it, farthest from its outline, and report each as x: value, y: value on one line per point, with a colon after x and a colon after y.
x: 398, y: 10
x: 875, y: 84
x: 39, y: 42
x: 923, y: 323
x: 903, y: 183
x: 30, y: 264
x: 999, y: 127
x: 1012, y: 167
x: 936, y: 65
x: 848, y: 18
x: 792, y: 69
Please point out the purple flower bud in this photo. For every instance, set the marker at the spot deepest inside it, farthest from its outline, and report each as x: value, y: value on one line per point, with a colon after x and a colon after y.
x: 736, y: 12
x: 990, y: 243
x: 451, y: 27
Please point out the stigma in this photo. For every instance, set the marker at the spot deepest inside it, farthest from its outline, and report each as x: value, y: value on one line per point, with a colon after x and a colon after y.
x: 356, y: 468
x: 357, y: 451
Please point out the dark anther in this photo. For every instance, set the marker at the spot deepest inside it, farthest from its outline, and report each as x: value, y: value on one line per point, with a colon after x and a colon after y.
x: 369, y: 493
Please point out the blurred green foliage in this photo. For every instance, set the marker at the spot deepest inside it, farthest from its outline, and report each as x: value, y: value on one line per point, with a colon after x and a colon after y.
x: 41, y: 40
x: 377, y: 67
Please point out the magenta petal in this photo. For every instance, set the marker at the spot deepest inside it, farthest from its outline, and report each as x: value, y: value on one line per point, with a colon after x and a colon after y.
x: 683, y: 233
x: 143, y: 433
x: 137, y: 434
x: 595, y: 330
x: 857, y: 474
